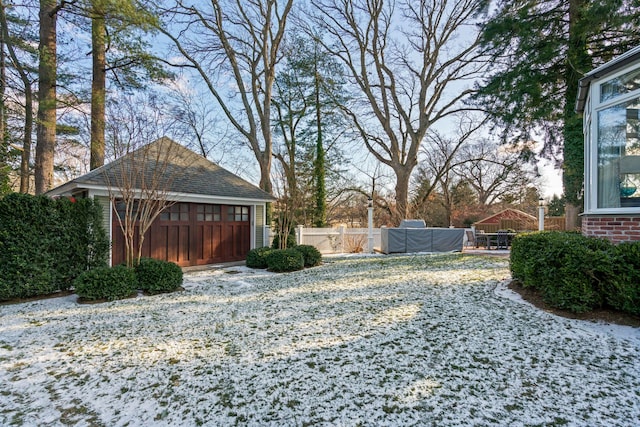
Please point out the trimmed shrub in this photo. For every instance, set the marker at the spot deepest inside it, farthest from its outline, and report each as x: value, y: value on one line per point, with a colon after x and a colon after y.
x: 291, y: 241
x: 312, y: 256
x: 622, y: 292
x: 281, y: 260
x: 106, y: 283
x: 257, y: 258
x: 45, y: 244
x: 569, y: 269
x: 157, y: 276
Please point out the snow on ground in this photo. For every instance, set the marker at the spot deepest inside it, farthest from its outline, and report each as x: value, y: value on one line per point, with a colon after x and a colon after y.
x: 378, y: 340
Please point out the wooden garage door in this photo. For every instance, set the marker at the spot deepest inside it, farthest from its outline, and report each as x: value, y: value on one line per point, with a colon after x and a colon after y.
x: 194, y: 234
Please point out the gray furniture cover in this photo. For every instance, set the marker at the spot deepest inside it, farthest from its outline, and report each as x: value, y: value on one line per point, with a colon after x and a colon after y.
x: 406, y: 240
x: 412, y: 223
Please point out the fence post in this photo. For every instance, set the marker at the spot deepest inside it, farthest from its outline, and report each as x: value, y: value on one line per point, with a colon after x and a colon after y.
x: 342, y: 232
x: 300, y: 234
x: 266, y: 235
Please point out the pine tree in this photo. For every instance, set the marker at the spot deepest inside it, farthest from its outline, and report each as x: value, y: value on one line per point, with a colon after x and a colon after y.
x: 540, y: 50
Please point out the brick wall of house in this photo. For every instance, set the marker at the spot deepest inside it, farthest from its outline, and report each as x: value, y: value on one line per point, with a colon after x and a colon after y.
x: 615, y: 228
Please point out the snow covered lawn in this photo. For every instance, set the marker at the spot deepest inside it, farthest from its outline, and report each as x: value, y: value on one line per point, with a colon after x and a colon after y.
x: 377, y: 340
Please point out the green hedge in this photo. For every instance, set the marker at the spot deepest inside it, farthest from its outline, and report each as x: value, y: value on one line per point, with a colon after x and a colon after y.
x: 156, y: 276
x: 281, y: 260
x: 45, y: 244
x: 106, y: 283
x: 291, y: 241
x: 578, y: 273
x: 311, y: 255
x: 623, y: 290
x: 257, y: 258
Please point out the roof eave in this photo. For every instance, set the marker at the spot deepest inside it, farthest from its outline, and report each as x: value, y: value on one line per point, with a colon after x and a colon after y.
x: 610, y: 67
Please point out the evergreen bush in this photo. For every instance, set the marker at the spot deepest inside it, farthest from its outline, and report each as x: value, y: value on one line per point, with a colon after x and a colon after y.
x: 106, y: 283
x: 623, y: 290
x: 257, y: 258
x: 281, y: 260
x: 312, y: 256
x: 570, y: 270
x: 46, y: 243
x: 291, y: 241
x: 157, y: 276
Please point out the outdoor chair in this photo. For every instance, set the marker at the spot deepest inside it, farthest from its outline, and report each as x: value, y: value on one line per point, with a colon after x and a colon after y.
x: 482, y: 239
x: 502, y: 240
x: 471, y: 238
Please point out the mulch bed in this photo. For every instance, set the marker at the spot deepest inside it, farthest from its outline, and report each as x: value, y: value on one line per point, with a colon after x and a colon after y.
x: 598, y: 315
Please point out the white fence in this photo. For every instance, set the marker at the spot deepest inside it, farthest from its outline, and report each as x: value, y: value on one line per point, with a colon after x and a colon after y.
x: 336, y: 240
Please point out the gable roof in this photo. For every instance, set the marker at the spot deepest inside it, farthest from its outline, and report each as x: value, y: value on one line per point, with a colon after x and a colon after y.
x: 507, y: 214
x: 179, y: 170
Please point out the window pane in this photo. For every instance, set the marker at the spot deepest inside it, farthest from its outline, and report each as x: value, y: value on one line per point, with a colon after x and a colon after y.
x: 619, y: 155
x: 620, y: 85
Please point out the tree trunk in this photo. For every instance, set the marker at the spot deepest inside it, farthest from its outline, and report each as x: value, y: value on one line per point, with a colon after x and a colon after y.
x: 403, y: 175
x: 320, y: 215
x: 4, y: 40
x: 28, y: 104
x: 47, y: 69
x: 578, y: 62
x: 98, y: 89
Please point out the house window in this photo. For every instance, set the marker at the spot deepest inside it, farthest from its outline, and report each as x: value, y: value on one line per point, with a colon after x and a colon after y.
x: 618, y: 154
x: 121, y: 209
x: 620, y: 85
x: 237, y: 213
x: 208, y: 212
x: 176, y: 212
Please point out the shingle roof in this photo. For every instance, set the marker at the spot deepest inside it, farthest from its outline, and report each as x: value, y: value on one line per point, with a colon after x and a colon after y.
x: 506, y: 214
x: 177, y: 168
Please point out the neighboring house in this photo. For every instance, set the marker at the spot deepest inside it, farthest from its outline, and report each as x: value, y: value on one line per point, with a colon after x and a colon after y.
x: 217, y: 216
x: 507, y: 219
x: 609, y: 98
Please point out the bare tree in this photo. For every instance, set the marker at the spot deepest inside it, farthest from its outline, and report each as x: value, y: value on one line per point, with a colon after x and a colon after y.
x: 494, y: 171
x: 239, y: 40
x: 412, y: 61
x: 201, y: 123
x: 141, y: 177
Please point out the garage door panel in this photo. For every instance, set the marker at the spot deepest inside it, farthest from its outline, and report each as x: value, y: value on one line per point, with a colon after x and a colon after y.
x: 188, y: 241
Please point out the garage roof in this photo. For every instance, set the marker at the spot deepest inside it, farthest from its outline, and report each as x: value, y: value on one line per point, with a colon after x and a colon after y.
x: 178, y: 169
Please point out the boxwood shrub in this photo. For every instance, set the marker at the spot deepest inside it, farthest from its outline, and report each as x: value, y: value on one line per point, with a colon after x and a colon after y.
x: 570, y: 270
x: 157, y: 276
x: 106, y: 283
x: 281, y: 260
x: 257, y: 258
x: 312, y: 256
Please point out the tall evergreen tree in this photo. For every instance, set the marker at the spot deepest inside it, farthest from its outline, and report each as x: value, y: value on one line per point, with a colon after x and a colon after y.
x: 22, y: 89
x: 47, y: 80
x: 540, y: 50
x: 116, y: 47
x: 308, y: 123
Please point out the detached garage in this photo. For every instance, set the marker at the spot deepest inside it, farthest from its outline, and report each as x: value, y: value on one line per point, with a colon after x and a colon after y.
x: 213, y: 215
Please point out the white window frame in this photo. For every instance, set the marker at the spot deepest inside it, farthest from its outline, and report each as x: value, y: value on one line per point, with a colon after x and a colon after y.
x: 592, y: 108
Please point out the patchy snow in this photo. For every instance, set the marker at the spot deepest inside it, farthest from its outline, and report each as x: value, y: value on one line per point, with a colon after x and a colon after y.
x: 375, y: 340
